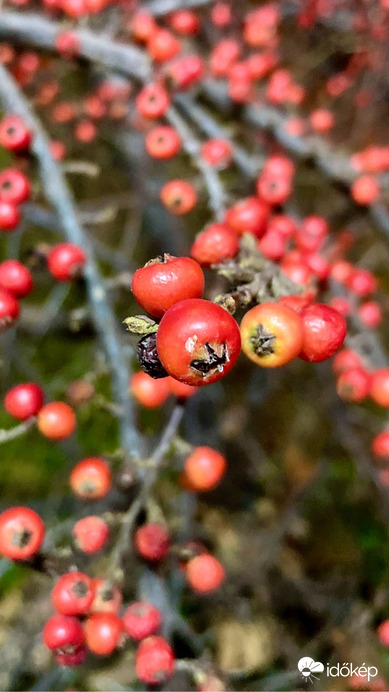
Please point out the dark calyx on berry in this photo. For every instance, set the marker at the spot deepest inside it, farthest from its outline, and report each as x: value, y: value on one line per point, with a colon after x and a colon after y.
x: 211, y: 361
x: 148, y: 356
x: 263, y: 341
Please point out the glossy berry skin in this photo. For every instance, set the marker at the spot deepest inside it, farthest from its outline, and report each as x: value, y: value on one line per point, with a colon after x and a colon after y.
x: 64, y: 635
x: 166, y: 280
x: 152, y: 542
x: 380, y: 447
x: 204, y: 573
x: 24, y: 400
x: 14, y: 135
x: 21, y: 533
x: 179, y: 197
x: 162, y: 143
x: 180, y: 389
x: 15, y: 187
x: 149, y: 392
x: 73, y: 593
x: 198, y: 342
x: 90, y: 534
x: 379, y: 390
x: 272, y: 334
x: 15, y: 278
x: 324, y: 331
x: 56, y: 420
x: 9, y: 310
x: 215, y: 244
x: 154, y: 661
x: 141, y: 620
x: 353, y: 384
x: 152, y: 101
x: 66, y: 261
x: 204, y: 468
x: 9, y: 216
x: 91, y: 478
x: 107, y: 599
x: 248, y: 216
x: 103, y: 632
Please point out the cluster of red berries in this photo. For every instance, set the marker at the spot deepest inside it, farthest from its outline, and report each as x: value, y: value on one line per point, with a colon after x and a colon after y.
x: 55, y: 420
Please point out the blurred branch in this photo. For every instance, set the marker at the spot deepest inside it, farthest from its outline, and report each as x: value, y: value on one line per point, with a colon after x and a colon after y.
x: 59, y: 195
x: 17, y: 431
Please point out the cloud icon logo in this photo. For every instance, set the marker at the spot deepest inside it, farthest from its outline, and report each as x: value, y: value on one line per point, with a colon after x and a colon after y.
x: 308, y: 667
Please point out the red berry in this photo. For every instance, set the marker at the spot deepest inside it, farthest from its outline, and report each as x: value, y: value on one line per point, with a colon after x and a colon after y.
x: 73, y: 593
x: 15, y: 278
x: 9, y: 310
x: 103, y: 633
x: 380, y: 447
x: 322, y: 120
x: 65, y: 637
x: 369, y: 313
x: 56, y: 420
x: 379, y: 390
x: 24, y: 400
x: 383, y: 633
x: 361, y: 282
x: 215, y: 244
x: 324, y: 330
x: 152, y: 101
x: 67, y: 44
x: 272, y: 244
x: 217, y: 152
x: 204, y: 573
x: 248, y: 216
x: 272, y: 334
x: 180, y: 389
x: 178, y: 196
x: 90, y: 534
x: 186, y: 71
x: 163, y: 45
x: 15, y: 187
x: 108, y: 598
x: 346, y: 359
x: 185, y: 22
x: 353, y: 384
x: 154, y: 661
x: 152, y: 542
x: 198, y: 342
x: 365, y: 190
x: 91, y: 478
x: 150, y: 392
x: 204, y: 468
x: 297, y: 271
x: 223, y: 56
x: 21, y: 533
x: 9, y: 216
x: 162, y: 142
x: 166, y: 280
x: 141, y: 620
x: 14, y: 135
x: 273, y: 189
x: 143, y: 26
x: 66, y: 261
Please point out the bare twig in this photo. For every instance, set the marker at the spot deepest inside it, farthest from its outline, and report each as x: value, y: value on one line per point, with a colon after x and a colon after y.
x: 17, y: 431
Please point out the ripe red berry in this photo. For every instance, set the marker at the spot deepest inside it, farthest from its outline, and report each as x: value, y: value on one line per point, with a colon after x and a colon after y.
x: 152, y: 101
x: 15, y: 187
x: 180, y: 389
x: 273, y: 189
x: 152, y: 542
x: 365, y: 190
x: 361, y: 282
x: 272, y: 244
x: 90, y: 534
x: 9, y: 216
x: 353, y: 384
x: 215, y: 244
x: 14, y: 135
x: 298, y: 271
x: 248, y: 216
x: 383, y: 633
x: 324, y: 330
x: 198, y: 342
x: 272, y: 334
x: 9, y: 310
x: 108, y: 597
x: 346, y: 359
x: 73, y: 593
x: 103, y: 633
x: 162, y: 142
x: 217, y: 152
x: 143, y: 26
x: 379, y: 390
x: 15, y: 278
x: 67, y: 44
x: 166, y: 280
x: 91, y: 478
x: 163, y: 45
x: 380, y: 447
x: 66, y: 261
x: 223, y: 56
x: 154, y: 661
x: 322, y: 120
x: 204, y: 468
x: 369, y: 313
x: 185, y: 22
x: 24, y: 400
x: 141, y: 620
x: 204, y: 573
x: 56, y: 420
x: 64, y: 635
x: 178, y: 196
x: 21, y: 533
x: 148, y: 391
